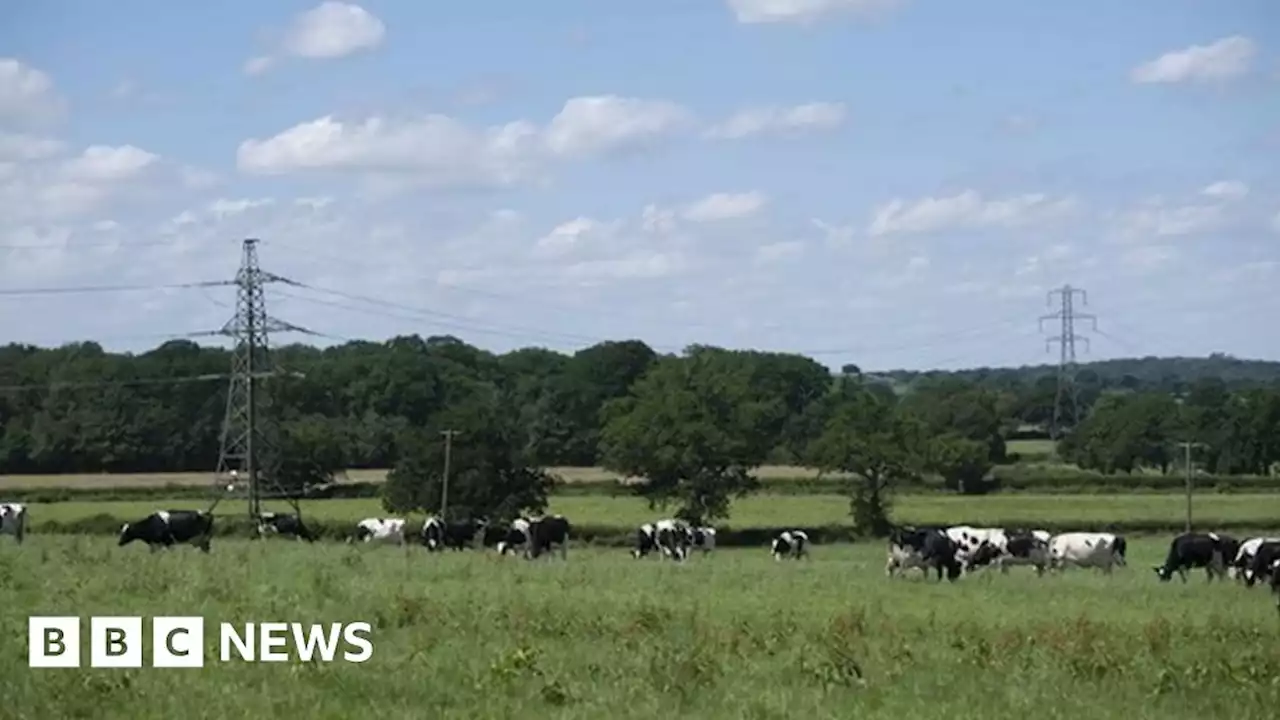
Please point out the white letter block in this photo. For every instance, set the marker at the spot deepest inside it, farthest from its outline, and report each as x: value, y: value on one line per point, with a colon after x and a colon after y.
x: 177, y: 642
x: 53, y: 642
x: 115, y: 642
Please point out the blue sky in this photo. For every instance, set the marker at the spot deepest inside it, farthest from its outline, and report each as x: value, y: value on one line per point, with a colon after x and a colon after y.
x: 894, y: 183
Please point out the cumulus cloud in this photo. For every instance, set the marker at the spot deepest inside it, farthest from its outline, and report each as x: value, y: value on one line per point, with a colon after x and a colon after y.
x: 1226, y: 190
x: 804, y: 11
x: 810, y: 117
x: 1215, y: 207
x: 966, y: 210
x: 328, y: 31
x: 20, y: 147
x: 774, y: 253
x: 54, y: 188
x: 444, y: 152
x: 27, y: 94
x: 725, y: 206
x: 1223, y: 59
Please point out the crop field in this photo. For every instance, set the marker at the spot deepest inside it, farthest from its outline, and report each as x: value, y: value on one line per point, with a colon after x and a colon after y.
x: 733, y: 635
x: 798, y: 510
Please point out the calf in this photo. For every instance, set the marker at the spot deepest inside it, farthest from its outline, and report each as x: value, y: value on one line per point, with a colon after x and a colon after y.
x: 536, y: 536
x: 270, y: 523
x: 1084, y: 549
x: 669, y: 537
x: 379, y: 530
x: 790, y: 543
x: 1262, y: 564
x: 1193, y: 550
x: 702, y: 538
x: 1244, y: 556
x: 13, y: 520
x: 438, y: 534
x: 906, y: 550
x: 164, y: 528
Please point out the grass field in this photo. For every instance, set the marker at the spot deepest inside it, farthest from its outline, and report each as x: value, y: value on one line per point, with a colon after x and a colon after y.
x: 799, y: 510
x: 731, y: 636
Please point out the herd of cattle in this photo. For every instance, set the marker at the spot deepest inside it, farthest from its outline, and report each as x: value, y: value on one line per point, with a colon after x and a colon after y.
x: 950, y: 550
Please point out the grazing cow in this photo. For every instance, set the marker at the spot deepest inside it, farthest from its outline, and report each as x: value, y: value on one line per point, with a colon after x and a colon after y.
x: 1262, y: 564
x: 790, y: 543
x: 1017, y: 548
x: 1244, y: 556
x: 922, y: 548
x: 669, y: 537
x: 702, y: 538
x: 968, y: 539
x: 380, y: 530
x: 438, y: 534
x: 1193, y: 550
x: 537, y: 536
x: 270, y: 523
x: 167, y: 527
x: 1085, y: 549
x: 13, y: 520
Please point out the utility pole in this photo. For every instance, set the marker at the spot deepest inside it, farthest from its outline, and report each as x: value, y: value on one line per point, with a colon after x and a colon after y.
x: 448, y: 455
x: 250, y: 437
x: 1067, y: 316
x: 1186, y: 464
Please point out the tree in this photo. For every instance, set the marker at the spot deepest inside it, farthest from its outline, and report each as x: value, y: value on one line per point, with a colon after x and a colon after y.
x: 491, y: 473
x: 693, y: 428
x: 869, y: 438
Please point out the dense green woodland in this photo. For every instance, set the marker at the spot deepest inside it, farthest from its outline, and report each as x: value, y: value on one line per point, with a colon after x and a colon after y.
x: 695, y: 425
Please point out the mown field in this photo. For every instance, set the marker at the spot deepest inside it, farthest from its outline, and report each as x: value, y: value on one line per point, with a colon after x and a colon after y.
x: 783, y: 510
x: 734, y: 635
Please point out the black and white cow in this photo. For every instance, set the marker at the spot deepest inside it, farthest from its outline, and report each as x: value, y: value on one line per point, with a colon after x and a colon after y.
x: 1087, y: 550
x: 1244, y: 556
x: 270, y: 523
x: 1018, y: 547
x: 1262, y: 564
x: 537, y: 536
x: 1275, y: 583
x: 702, y: 538
x: 925, y: 548
x: 669, y: 537
x: 438, y: 534
x: 13, y: 520
x: 164, y: 528
x: 379, y: 530
x: 793, y: 544
x: 1193, y: 550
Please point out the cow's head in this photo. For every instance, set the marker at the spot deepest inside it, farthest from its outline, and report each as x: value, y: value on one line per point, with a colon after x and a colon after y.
x: 127, y: 534
x: 1162, y: 572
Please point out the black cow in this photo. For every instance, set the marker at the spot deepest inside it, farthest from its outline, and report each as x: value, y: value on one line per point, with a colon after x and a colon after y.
x: 669, y: 537
x: 537, y: 536
x: 907, y: 549
x: 1261, y: 567
x: 438, y: 534
x: 283, y: 524
x: 167, y: 527
x: 1193, y: 550
x: 702, y: 538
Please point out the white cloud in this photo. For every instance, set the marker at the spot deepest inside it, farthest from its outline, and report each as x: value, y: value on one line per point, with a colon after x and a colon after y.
x: 835, y: 235
x: 1220, y: 60
x: 569, y: 236
x: 1147, y: 258
x: 966, y: 210
x: 102, y: 163
x: 1226, y: 189
x: 815, y: 116
x: 803, y: 11
x: 21, y: 147
x: 725, y: 206
x: 1275, y: 222
x: 441, y: 151
x: 333, y: 30
x: 57, y: 188
x: 328, y: 31
x: 27, y: 94
x: 774, y: 253
x: 1155, y: 218
x: 600, y: 124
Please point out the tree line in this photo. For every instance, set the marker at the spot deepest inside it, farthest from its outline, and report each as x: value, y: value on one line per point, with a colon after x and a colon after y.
x: 694, y: 425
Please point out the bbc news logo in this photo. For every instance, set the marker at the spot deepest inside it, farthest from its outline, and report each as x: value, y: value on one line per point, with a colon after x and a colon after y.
x: 179, y: 642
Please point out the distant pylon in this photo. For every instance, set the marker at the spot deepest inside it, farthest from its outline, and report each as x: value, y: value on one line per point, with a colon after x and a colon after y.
x: 250, y: 435
x: 1066, y: 396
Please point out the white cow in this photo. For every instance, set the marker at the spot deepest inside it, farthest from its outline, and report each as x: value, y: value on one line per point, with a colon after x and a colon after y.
x: 13, y: 520
x: 1086, y: 549
x: 1239, y: 565
x: 968, y: 539
x: 1004, y: 550
x: 790, y: 543
x: 381, y: 530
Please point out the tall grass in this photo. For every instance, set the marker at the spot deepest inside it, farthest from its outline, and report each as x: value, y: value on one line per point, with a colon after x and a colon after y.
x: 734, y: 635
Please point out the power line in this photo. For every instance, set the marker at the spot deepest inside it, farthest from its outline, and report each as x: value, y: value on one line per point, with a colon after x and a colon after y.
x: 1067, y: 336
x: 179, y: 380
x: 77, y: 289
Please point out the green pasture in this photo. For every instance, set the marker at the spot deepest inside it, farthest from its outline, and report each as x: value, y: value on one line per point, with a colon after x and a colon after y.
x: 734, y: 635
x: 798, y: 510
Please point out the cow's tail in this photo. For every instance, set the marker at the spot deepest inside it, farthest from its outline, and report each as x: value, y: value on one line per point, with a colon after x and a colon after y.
x: 1119, y: 549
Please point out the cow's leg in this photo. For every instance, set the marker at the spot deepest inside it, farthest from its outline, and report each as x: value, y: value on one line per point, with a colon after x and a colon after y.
x: 888, y: 566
